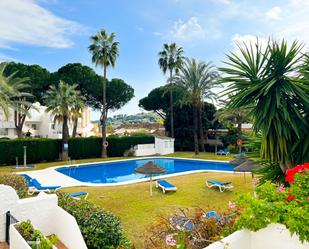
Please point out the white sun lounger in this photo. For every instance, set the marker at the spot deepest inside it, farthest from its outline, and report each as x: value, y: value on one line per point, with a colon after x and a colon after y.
x: 221, y: 185
x: 165, y: 186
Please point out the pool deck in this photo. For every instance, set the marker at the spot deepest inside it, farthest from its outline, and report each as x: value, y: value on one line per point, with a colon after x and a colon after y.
x: 51, y: 177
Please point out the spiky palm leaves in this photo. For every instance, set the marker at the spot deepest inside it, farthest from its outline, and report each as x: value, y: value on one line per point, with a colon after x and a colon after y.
x: 104, y: 50
x: 268, y: 80
x: 12, y: 92
x: 171, y: 59
x: 198, y: 78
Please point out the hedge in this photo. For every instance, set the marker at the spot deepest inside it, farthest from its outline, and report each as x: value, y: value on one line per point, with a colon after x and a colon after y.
x: 47, y: 150
x: 38, y: 150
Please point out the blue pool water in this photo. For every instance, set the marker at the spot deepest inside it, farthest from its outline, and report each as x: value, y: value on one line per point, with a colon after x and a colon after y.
x: 122, y: 171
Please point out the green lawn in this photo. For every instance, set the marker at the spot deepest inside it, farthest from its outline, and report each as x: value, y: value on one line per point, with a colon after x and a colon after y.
x: 137, y: 210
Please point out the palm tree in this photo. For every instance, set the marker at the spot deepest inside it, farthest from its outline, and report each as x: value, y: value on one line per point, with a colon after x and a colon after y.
x: 197, y: 78
x: 104, y: 53
x: 171, y: 59
x: 12, y: 92
x: 78, y: 106
x: 267, y: 80
x: 59, y: 101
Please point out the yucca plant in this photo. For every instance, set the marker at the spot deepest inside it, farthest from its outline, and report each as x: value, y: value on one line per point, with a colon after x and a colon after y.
x: 268, y: 79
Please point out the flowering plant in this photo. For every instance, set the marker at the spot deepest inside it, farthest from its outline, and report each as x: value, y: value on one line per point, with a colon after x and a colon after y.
x: 276, y: 203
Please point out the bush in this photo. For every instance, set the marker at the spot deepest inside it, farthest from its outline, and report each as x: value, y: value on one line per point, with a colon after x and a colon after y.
x: 27, y: 231
x: 47, y: 150
x: 279, y: 204
x: 129, y: 153
x: 100, y: 229
x: 17, y: 182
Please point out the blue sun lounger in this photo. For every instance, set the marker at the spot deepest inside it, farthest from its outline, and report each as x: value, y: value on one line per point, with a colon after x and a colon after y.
x: 77, y: 195
x: 223, y: 152
x: 36, y: 187
x: 221, y: 185
x: 182, y: 223
x: 165, y: 186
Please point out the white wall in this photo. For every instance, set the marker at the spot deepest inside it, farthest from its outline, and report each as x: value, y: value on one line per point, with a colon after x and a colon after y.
x: 44, y: 214
x: 145, y: 150
x: 16, y: 240
x: 274, y: 236
x: 164, y: 146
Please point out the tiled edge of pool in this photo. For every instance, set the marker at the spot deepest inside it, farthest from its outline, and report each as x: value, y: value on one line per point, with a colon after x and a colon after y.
x: 50, y: 176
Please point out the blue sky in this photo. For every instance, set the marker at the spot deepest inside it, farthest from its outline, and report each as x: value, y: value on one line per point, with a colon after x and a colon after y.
x: 52, y: 33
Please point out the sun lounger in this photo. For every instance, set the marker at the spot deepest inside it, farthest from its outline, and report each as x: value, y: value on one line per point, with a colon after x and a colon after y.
x: 165, y: 186
x: 182, y: 222
x: 77, y: 195
x: 221, y: 185
x: 37, y: 187
x: 223, y: 152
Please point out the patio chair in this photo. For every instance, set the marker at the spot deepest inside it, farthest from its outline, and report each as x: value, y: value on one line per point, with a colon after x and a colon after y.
x: 223, y: 152
x: 221, y: 185
x: 77, y: 195
x: 37, y: 187
x: 165, y: 186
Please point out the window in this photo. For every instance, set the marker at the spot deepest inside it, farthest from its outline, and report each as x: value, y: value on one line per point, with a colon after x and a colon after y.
x: 33, y: 126
x: 4, y: 131
x: 52, y: 126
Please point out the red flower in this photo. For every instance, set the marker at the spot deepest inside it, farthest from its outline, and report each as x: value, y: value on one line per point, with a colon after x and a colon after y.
x: 300, y: 168
x: 291, y: 197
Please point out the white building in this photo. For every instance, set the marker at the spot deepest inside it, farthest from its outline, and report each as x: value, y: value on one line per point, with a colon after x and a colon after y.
x: 162, y: 146
x: 41, y: 124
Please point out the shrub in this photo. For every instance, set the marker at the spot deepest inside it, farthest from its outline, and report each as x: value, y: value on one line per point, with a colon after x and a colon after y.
x: 279, y: 204
x: 129, y: 153
x: 40, y: 150
x: 15, y: 181
x: 27, y: 231
x: 189, y: 230
x: 100, y: 229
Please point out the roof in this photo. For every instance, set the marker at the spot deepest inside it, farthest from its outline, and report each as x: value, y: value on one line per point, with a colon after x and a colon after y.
x: 150, y: 168
x: 238, y: 161
x: 214, y: 142
x: 164, y: 137
x: 247, y: 166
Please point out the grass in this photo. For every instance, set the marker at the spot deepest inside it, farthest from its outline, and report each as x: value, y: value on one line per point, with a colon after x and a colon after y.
x: 137, y: 210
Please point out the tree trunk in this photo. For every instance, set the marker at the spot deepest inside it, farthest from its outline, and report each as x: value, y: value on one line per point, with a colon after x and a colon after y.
x: 74, y: 132
x: 201, y: 130
x: 19, y: 120
x: 195, y: 123
x: 239, y: 135
x: 171, y: 104
x: 104, y: 116
x: 65, y: 138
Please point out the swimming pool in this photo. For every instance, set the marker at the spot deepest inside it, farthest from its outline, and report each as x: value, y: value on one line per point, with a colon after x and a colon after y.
x: 123, y: 171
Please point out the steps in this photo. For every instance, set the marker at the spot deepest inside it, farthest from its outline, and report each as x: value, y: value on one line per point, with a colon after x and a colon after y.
x: 4, y: 245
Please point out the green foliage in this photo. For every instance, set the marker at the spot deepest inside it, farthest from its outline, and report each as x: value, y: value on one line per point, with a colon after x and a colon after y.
x: 183, y: 125
x: 273, y: 206
x: 158, y: 100
x: 17, y: 182
x: 129, y: 153
x: 270, y: 172
x: 42, y: 150
x: 27, y: 231
x: 38, y: 77
x: 268, y: 79
x: 38, y: 150
x: 230, y: 138
x: 100, y: 229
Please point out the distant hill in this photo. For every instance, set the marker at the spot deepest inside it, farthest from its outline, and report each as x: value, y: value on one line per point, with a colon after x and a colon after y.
x: 140, y: 118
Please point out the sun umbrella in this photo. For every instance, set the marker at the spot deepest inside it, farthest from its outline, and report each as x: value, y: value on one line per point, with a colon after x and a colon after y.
x: 248, y: 166
x: 150, y: 168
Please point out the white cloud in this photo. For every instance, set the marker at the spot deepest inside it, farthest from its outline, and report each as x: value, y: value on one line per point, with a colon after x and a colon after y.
x: 274, y: 13
x: 241, y: 40
x: 190, y: 30
x: 223, y: 1
x: 193, y: 30
x: 26, y: 22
